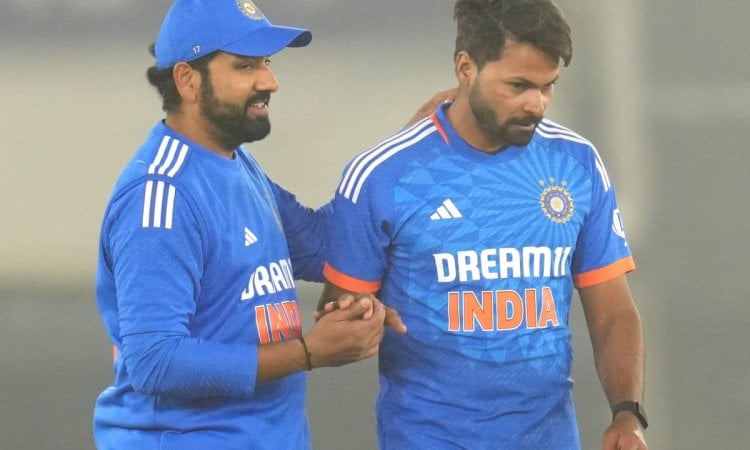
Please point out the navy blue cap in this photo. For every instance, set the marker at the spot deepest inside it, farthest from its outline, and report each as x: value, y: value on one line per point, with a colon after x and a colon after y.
x: 195, y: 28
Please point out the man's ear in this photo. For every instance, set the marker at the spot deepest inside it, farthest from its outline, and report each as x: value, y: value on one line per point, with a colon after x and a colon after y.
x: 466, y: 69
x: 188, y: 82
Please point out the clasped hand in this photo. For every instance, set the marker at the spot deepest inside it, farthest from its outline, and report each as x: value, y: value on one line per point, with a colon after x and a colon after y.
x: 350, y: 330
x: 370, y: 304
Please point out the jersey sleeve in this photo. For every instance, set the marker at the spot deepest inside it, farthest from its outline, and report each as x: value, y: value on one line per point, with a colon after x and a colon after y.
x: 305, y: 230
x: 153, y: 244
x: 602, y: 252
x: 359, y: 236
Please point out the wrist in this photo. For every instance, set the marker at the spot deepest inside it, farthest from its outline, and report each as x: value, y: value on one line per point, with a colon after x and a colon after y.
x: 632, y: 409
x: 308, y: 357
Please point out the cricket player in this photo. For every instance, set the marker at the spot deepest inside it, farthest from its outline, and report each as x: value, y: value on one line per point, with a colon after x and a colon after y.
x: 199, y: 251
x: 476, y: 224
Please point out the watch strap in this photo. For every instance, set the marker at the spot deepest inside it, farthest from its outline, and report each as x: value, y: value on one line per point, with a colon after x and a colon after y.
x: 633, y: 407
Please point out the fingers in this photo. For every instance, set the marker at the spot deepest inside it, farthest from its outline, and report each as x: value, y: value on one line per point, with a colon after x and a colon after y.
x: 370, y: 303
x: 372, y: 308
x: 350, y: 308
x: 445, y: 96
x: 621, y: 435
x: 431, y: 105
x: 351, y: 329
x: 393, y: 320
x: 361, y: 306
x: 330, y: 306
x: 340, y: 338
x: 342, y: 303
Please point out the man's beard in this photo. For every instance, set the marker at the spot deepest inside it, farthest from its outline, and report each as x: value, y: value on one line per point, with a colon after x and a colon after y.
x: 231, y: 125
x: 499, y: 133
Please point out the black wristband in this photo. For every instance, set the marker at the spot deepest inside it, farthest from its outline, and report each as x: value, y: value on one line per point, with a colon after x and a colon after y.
x: 633, y: 407
x: 307, y: 353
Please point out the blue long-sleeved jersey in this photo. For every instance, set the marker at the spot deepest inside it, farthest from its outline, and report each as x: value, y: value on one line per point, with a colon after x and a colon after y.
x: 198, y: 256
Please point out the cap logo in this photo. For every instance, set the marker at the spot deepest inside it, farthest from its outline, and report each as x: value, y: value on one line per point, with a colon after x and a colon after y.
x: 249, y: 9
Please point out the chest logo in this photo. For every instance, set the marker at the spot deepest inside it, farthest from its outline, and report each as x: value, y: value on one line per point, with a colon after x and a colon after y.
x: 250, y: 237
x: 556, y: 202
x: 447, y: 210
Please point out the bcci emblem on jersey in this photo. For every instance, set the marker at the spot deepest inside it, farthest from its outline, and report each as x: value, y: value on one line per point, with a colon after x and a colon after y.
x: 249, y: 9
x: 557, y: 203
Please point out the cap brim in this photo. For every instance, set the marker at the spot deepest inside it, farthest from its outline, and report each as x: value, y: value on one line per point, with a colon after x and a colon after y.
x: 269, y: 40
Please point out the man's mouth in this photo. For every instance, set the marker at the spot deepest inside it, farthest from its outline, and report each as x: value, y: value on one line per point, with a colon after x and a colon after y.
x: 527, y: 124
x: 259, y: 105
x: 257, y: 108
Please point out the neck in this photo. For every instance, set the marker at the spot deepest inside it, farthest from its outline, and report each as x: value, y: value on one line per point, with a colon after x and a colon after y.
x: 194, y: 128
x: 465, y: 124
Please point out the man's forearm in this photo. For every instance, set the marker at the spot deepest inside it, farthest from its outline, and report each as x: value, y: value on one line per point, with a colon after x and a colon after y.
x: 616, y: 335
x: 283, y: 358
x: 620, y: 358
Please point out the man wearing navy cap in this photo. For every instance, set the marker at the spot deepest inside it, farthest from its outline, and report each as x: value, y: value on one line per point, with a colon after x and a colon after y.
x: 199, y: 251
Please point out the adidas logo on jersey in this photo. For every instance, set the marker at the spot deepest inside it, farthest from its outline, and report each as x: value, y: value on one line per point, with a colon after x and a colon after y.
x: 446, y: 211
x: 250, y: 237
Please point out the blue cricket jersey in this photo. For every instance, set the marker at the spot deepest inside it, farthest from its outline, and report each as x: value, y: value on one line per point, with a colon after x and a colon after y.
x: 479, y: 253
x: 198, y: 256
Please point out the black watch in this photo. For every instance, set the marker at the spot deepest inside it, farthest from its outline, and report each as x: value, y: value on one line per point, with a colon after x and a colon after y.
x: 633, y: 407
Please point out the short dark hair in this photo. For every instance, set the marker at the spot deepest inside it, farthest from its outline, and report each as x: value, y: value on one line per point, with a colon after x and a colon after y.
x: 162, y: 80
x: 484, y: 26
